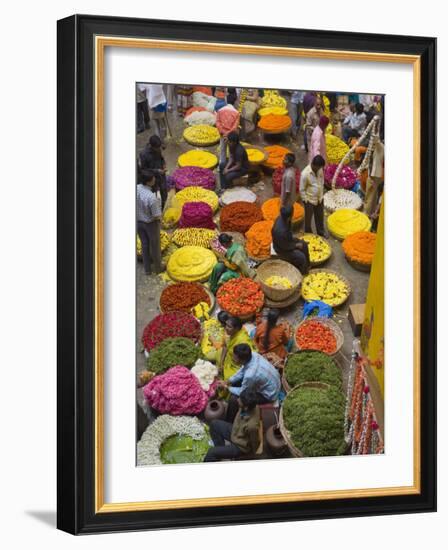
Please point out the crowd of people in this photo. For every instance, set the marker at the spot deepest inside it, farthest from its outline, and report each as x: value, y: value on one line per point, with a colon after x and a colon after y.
x: 249, y: 363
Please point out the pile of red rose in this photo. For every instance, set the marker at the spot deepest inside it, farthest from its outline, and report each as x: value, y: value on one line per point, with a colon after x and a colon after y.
x: 170, y: 325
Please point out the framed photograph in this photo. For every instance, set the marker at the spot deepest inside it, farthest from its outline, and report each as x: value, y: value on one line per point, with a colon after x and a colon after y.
x: 246, y: 274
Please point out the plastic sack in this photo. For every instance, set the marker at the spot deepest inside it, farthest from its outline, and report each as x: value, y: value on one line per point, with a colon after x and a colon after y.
x: 323, y: 309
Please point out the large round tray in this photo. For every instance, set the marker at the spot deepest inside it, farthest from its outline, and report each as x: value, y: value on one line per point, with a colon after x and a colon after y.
x: 344, y: 279
x: 281, y: 424
x: 334, y: 327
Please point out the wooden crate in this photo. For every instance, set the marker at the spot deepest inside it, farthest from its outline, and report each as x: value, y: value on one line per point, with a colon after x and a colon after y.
x: 356, y: 317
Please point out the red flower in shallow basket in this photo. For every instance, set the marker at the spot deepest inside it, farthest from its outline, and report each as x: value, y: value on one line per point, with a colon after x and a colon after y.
x: 171, y: 325
x: 315, y: 336
x: 240, y: 296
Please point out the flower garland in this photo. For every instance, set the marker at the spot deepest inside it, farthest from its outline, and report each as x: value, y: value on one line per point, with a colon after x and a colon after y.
x: 275, y: 123
x: 196, y: 194
x: 259, y: 239
x: 360, y: 247
x: 176, y: 392
x: 193, y: 236
x: 163, y: 427
x: 276, y: 154
x: 271, y: 210
x: 197, y: 157
x: 201, y: 134
x: 197, y: 215
x: 240, y: 297
x: 191, y: 263
x: 346, y: 221
x: 239, y: 216
x: 206, y: 374
x: 346, y: 178
x: 264, y: 111
x: 335, y: 199
x: 169, y: 325
x: 182, y: 297
x: 193, y: 176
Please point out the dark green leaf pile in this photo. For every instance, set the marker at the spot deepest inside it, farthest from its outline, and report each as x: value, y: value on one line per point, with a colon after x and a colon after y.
x: 171, y: 352
x: 315, y: 419
x: 312, y: 366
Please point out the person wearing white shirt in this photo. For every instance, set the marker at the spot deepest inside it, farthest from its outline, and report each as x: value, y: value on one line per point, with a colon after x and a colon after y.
x: 311, y: 193
x: 355, y: 123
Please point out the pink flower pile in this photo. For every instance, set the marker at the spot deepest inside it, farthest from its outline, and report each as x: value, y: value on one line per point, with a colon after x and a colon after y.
x: 193, y: 176
x: 346, y: 178
x: 197, y: 214
x: 176, y: 392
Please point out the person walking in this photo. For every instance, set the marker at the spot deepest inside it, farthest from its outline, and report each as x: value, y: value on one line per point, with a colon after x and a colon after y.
x: 312, y: 192
x: 318, y: 145
x: 148, y: 222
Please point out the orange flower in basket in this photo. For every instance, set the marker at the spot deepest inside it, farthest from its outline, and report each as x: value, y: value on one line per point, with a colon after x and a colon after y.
x: 275, y: 123
x: 360, y: 247
x: 271, y: 210
x: 276, y: 155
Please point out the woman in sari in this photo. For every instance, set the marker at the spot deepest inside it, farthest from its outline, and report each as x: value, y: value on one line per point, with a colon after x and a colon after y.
x: 272, y: 339
x: 235, y: 334
x: 234, y: 264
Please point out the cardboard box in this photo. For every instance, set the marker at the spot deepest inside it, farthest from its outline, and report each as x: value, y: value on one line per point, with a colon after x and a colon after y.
x: 356, y: 317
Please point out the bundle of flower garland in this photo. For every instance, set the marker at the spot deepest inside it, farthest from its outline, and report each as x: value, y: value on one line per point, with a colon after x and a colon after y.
x: 312, y: 366
x: 346, y: 221
x: 271, y: 210
x: 197, y: 157
x: 196, y: 194
x: 238, y: 194
x: 275, y: 123
x: 227, y: 120
x: 335, y: 199
x: 176, y: 392
x: 171, y: 216
x: 336, y: 149
x: 201, y: 135
x: 172, y: 352
x: 276, y: 154
x: 326, y: 287
x: 240, y: 297
x: 193, y: 176
x: 197, y: 214
x: 314, y: 418
x: 206, y: 374
x: 191, y: 263
x: 259, y: 239
x: 264, y: 111
x: 170, y: 325
x: 318, y: 248
x: 182, y: 297
x: 346, y: 178
x: 239, y: 216
x: 360, y: 247
x: 254, y: 155
x: 313, y: 335
x: 272, y: 98
x: 203, y: 118
x: 277, y: 178
x: 212, y: 338
x: 164, y: 427
x: 193, y: 236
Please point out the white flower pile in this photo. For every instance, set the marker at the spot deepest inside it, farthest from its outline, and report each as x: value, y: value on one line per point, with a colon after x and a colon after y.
x: 205, y: 372
x: 238, y: 194
x: 201, y: 117
x: 148, y: 448
x: 341, y: 198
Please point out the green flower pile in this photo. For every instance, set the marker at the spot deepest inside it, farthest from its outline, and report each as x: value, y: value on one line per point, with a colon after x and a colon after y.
x: 314, y: 418
x: 171, y: 352
x: 312, y: 366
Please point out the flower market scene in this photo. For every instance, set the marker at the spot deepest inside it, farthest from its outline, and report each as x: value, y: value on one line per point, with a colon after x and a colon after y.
x: 259, y: 274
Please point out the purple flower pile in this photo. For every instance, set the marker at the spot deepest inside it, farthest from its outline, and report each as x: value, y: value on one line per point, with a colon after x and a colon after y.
x: 346, y: 178
x: 197, y: 214
x: 193, y: 176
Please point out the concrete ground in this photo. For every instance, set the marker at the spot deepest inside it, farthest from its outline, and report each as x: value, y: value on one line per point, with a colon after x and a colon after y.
x: 150, y: 287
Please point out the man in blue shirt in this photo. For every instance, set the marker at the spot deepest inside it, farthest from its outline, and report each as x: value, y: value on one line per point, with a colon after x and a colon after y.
x: 256, y: 375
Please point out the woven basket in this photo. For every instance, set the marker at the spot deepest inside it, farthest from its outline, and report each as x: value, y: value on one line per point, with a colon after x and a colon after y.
x: 295, y: 451
x: 358, y: 265
x: 321, y: 262
x: 285, y: 383
x: 344, y: 279
x: 334, y: 327
x: 285, y: 269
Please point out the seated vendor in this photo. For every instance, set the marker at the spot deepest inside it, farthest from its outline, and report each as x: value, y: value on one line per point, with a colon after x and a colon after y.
x: 271, y: 337
x: 286, y: 246
x: 234, y: 264
x: 235, y: 334
x: 242, y: 435
x: 236, y: 165
x: 256, y: 374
